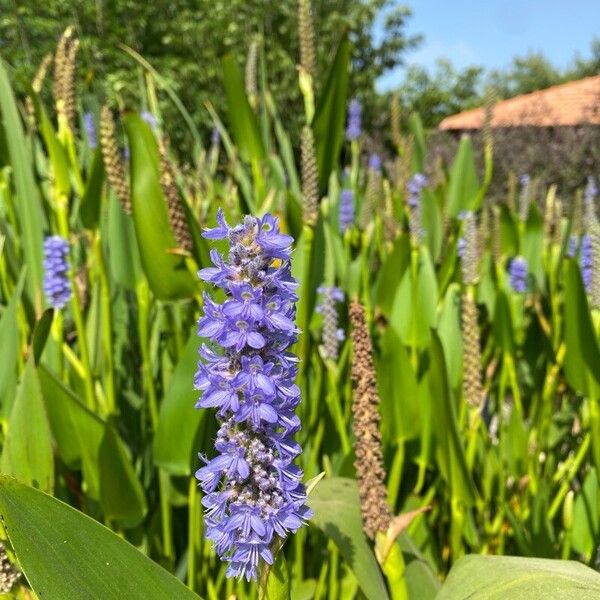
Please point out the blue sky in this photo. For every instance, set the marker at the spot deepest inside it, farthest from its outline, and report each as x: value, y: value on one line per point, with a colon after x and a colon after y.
x: 490, y: 32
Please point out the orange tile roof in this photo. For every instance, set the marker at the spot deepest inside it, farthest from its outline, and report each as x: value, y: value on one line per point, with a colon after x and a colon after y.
x: 572, y: 103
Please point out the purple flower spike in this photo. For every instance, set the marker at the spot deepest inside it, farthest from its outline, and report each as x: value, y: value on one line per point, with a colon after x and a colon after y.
x: 56, y: 282
x: 90, y: 129
x: 252, y: 488
x: 375, y: 162
x: 414, y: 188
x: 346, y: 215
x: 587, y: 261
x: 518, y: 271
x: 353, y: 127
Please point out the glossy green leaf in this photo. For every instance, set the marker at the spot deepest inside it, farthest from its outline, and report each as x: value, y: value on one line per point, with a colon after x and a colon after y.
x: 336, y: 506
x: 582, y: 358
x: 178, y: 423
x: 329, y: 120
x: 28, y: 204
x: 244, y: 124
x: 41, y: 333
x: 390, y: 274
x: 586, y: 517
x: 500, y: 577
x: 27, y: 451
x: 167, y: 273
x: 450, y: 452
x: 278, y: 585
x: 9, y: 348
x: 463, y: 184
x: 415, y: 126
x: 66, y: 554
x: 91, y: 202
x: 532, y: 245
x: 420, y: 579
x: 503, y: 329
x: 449, y: 330
x: 86, y: 442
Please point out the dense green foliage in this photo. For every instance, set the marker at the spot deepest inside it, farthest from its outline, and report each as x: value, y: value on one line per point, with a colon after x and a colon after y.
x: 99, y: 435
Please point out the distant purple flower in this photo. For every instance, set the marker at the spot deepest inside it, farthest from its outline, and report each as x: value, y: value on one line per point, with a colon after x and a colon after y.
x: 518, y: 272
x: 126, y: 154
x: 375, y: 162
x: 591, y: 190
x: 252, y: 488
x: 462, y: 245
x: 587, y: 262
x: 150, y: 119
x: 572, y: 249
x: 414, y: 188
x: 346, y: 215
x: 57, y: 286
x: 215, y: 136
x: 332, y: 334
x: 524, y: 180
x: 90, y: 129
x: 353, y: 127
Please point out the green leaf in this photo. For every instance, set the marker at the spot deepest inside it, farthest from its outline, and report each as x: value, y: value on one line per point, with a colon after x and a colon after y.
x: 336, y: 506
x: 450, y: 451
x: 41, y: 333
x: 586, y: 517
x: 329, y: 120
x: 66, y: 554
x: 500, y: 577
x: 420, y: 579
x: 167, y: 273
x: 463, y: 185
x: 503, y: 329
x: 86, y: 442
x: 415, y: 126
x: 278, y: 586
x: 391, y: 273
x: 28, y: 203
x: 582, y: 353
x: 9, y: 348
x: 179, y: 421
x: 449, y: 330
x: 89, y: 209
x: 27, y: 451
x: 532, y: 245
x: 243, y: 122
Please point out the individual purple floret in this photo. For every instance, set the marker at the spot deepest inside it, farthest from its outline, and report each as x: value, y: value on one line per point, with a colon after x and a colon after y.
x: 57, y: 286
x: 346, y: 215
x: 375, y: 162
x: 150, y: 119
x: 252, y: 488
x: 354, y: 120
x: 518, y: 271
x: 587, y: 261
x: 90, y: 129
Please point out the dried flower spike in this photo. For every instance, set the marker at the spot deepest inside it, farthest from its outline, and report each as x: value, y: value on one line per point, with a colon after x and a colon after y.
x: 472, y: 386
x: 8, y: 574
x: 310, y: 177
x: 470, y: 250
x: 64, y: 76
x: 253, y: 490
x: 307, y: 37
x: 370, y: 470
x: 112, y: 159
x: 332, y: 334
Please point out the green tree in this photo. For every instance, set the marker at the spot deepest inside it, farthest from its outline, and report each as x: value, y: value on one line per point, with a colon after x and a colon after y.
x: 184, y: 39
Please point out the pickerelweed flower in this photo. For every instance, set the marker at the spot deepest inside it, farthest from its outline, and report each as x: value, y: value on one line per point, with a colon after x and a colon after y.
x: 589, y: 196
x: 353, y: 127
x: 572, y: 248
x: 518, y: 271
x: 57, y: 286
x: 252, y: 488
x: 90, y: 129
x: 215, y: 136
x: 586, y: 260
x: 332, y: 334
x: 414, y: 188
x: 375, y: 162
x: 470, y: 252
x: 346, y: 215
x: 524, y: 198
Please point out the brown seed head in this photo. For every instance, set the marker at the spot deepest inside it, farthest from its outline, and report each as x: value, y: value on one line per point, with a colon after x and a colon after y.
x: 310, y: 177
x: 472, y: 386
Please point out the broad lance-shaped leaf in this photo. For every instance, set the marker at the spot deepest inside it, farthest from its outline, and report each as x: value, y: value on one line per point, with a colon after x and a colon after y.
x: 500, y: 577
x: 66, y: 554
x: 89, y: 209
x: 179, y: 421
x: 244, y: 124
x: 328, y: 122
x: 582, y: 358
x: 336, y: 506
x: 27, y: 451
x: 86, y: 442
x: 463, y: 184
x: 450, y: 452
x: 28, y: 204
x: 167, y: 273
